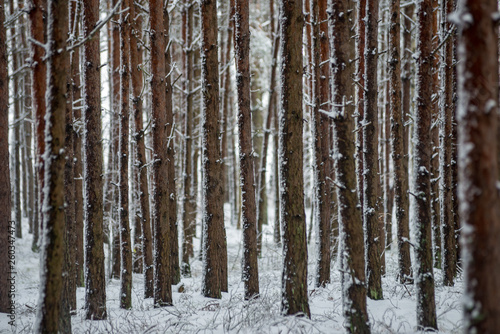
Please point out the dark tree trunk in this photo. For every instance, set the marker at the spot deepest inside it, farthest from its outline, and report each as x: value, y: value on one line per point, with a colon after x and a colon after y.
x: 214, y: 245
x: 161, y: 222
x: 293, y: 220
x: 145, y: 215
x: 370, y: 155
x: 400, y: 165
x: 445, y: 158
x: 125, y: 246
x: 360, y: 95
x: 189, y: 212
x: 95, y: 283
x: 352, y: 259
x: 52, y: 311
x: 250, y: 274
x: 320, y: 131
x: 426, y: 308
x: 477, y: 164
x: 6, y: 234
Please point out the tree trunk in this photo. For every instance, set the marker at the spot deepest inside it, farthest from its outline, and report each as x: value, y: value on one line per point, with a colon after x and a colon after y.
x: 250, y: 274
x: 162, y: 251
x: 400, y: 165
x: 189, y: 212
x: 95, y: 283
x: 370, y: 154
x: 52, y: 309
x: 360, y: 95
x: 172, y: 197
x: 477, y: 164
x: 426, y: 308
x: 6, y: 236
x: 293, y: 220
x: 321, y: 138
x: 352, y: 259
x: 214, y: 245
x: 445, y: 158
x: 125, y: 247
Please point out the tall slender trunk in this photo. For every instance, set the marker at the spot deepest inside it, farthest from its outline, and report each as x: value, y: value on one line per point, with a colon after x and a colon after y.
x: 478, y: 163
x: 52, y: 311
x: 6, y: 239
x: 352, y: 260
x: 445, y: 158
x: 161, y: 222
x: 125, y: 246
x: 424, y: 278
x: 294, y: 279
x: 172, y: 197
x: 321, y: 138
x: 214, y: 245
x: 370, y: 154
x: 95, y: 283
x: 401, y: 200
x: 250, y: 274
x: 360, y: 95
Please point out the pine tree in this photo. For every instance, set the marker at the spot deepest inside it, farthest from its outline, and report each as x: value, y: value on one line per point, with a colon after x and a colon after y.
x: 6, y: 238
x: 95, y: 296
x: 250, y: 275
x: 293, y: 220
x: 477, y: 162
x: 352, y: 251
x: 161, y: 223
x: 52, y: 311
x: 424, y: 278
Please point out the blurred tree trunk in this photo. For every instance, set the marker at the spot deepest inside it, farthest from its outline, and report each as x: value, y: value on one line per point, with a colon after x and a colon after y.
x: 477, y: 165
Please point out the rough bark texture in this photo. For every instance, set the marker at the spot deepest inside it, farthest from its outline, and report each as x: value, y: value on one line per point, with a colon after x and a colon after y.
x: 370, y: 155
x: 76, y: 95
x: 435, y: 208
x: 214, y: 244
x: 478, y: 166
x: 250, y: 274
x: 161, y: 223
x: 349, y: 213
x: 445, y: 136
x: 424, y: 278
x: 293, y: 220
x: 51, y: 309
x: 169, y: 118
x: 320, y: 131
x: 189, y: 212
x: 144, y: 217
x: 6, y: 234
x: 125, y: 246
x: 400, y: 164
x: 95, y: 296
x: 360, y: 95
x: 139, y: 160
x: 406, y: 74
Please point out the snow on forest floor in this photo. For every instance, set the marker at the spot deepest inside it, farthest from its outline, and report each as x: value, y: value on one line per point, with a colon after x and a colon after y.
x: 193, y: 313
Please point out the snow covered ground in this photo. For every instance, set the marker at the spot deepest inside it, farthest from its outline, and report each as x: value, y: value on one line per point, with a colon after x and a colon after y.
x: 193, y: 313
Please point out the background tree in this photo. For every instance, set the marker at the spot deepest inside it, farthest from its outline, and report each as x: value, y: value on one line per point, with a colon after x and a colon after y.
x: 293, y: 220
x: 478, y: 168
x: 5, y: 195
x: 125, y: 246
x: 95, y: 292
x: 424, y: 278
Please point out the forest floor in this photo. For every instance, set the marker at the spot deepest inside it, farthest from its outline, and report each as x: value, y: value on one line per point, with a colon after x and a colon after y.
x: 192, y: 313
